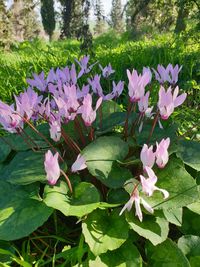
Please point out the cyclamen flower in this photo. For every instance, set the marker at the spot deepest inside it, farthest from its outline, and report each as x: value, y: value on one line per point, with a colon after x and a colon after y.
x: 10, y: 119
x: 168, y: 101
x: 83, y: 63
x: 148, y: 184
x: 79, y: 164
x: 137, y: 84
x: 107, y: 71
x: 162, y: 155
x: 86, y: 110
x: 95, y: 84
x: 147, y: 156
x: 138, y: 200
x: 55, y: 130
x: 39, y: 81
x: 117, y: 91
x: 168, y: 74
x: 27, y: 103
x: 52, y: 167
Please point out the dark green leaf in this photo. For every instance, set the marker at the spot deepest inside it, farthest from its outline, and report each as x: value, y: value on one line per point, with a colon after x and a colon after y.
x: 21, y: 210
x: 166, y: 254
x: 189, y: 152
x: 25, y: 168
x: 4, y: 150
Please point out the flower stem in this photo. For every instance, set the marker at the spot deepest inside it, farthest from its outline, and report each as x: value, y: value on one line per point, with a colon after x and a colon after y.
x: 68, y: 181
x: 126, y: 122
x: 153, y: 126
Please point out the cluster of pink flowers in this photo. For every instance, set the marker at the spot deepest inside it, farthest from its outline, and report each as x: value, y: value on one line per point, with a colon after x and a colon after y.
x: 59, y: 99
x: 149, y: 179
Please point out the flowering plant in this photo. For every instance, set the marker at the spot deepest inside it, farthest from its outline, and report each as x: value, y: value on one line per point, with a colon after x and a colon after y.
x: 120, y: 172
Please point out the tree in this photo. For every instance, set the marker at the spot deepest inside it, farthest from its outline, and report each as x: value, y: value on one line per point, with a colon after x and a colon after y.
x: 116, y: 16
x: 5, y: 26
x: 24, y: 20
x: 67, y: 6
x: 99, y: 13
x: 48, y: 16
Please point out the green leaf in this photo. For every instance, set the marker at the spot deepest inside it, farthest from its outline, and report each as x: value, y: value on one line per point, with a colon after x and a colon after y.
x: 152, y: 228
x: 4, y: 150
x: 190, y: 245
x: 174, y: 216
x: 178, y: 182
x: 18, y: 142
x: 108, y: 123
x: 84, y: 200
x: 25, y: 168
x: 191, y: 222
x: 101, y: 156
x: 104, y: 231
x: 21, y: 210
x: 189, y: 152
x: 195, y: 207
x: 158, y: 134
x: 166, y: 254
x: 117, y: 196
x: 126, y: 255
x: 194, y: 261
x: 6, y: 258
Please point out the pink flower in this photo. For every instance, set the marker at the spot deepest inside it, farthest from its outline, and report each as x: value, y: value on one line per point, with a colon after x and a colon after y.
x: 39, y: 81
x: 162, y: 152
x: 55, y: 130
x: 117, y: 90
x: 144, y: 102
x: 79, y: 164
x: 107, y: 71
x: 173, y: 73
x: 137, y: 84
x: 168, y: 74
x: 137, y: 199
x: 86, y: 110
x: 148, y: 184
x: 168, y: 101
x: 95, y: 84
x: 52, y: 167
x: 27, y: 103
x: 9, y: 118
x: 147, y: 156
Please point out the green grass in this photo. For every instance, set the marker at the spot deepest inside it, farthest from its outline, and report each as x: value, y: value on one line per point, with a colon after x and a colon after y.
x: 22, y: 61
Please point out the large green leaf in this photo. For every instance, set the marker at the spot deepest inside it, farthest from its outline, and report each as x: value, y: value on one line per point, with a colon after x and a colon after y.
x: 174, y: 216
x: 158, y: 134
x: 29, y: 138
x: 84, y: 200
x: 104, y: 231
x: 4, y: 150
x: 178, y: 182
x: 191, y: 223
x: 21, y: 210
x: 101, y: 156
x: 166, y: 254
x: 189, y: 152
x: 25, y: 168
x: 152, y: 228
x: 126, y: 255
x: 190, y: 245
